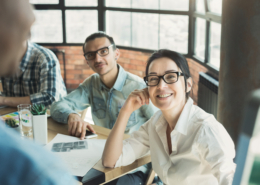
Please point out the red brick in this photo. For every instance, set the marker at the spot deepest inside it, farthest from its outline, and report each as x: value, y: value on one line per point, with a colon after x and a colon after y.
x: 70, y: 76
x: 130, y: 66
x: 74, y: 71
x: 69, y: 66
x: 141, y: 57
x: 81, y: 66
x: 138, y: 62
x: 69, y: 81
x: 80, y: 62
x: 76, y: 57
x: 72, y: 86
x: 138, y: 73
x: 74, y: 51
x: 128, y: 55
x: 140, y: 68
x: 88, y: 71
x: 123, y: 60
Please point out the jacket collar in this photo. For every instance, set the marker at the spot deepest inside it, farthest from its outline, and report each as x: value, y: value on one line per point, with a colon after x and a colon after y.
x: 120, y: 80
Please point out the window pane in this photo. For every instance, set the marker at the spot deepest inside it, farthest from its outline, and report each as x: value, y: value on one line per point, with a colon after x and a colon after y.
x: 181, y: 5
x: 215, y: 37
x: 44, y: 1
x: 215, y: 6
x: 120, y: 29
x: 119, y: 3
x: 44, y: 30
x: 200, y: 6
x: 80, y: 3
x: 80, y: 24
x: 174, y: 32
x: 145, y: 4
x: 145, y: 30
x: 200, y: 35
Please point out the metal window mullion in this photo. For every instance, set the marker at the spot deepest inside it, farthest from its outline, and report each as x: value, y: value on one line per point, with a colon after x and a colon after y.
x: 62, y: 4
x: 207, y: 40
x: 191, y: 36
x: 147, y: 11
x: 159, y: 16
x: 101, y: 15
x: 159, y: 26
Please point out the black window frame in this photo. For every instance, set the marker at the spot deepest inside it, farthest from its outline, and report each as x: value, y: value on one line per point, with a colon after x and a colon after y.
x: 101, y: 8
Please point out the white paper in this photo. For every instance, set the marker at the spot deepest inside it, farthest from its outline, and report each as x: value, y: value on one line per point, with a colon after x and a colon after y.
x: 81, y: 161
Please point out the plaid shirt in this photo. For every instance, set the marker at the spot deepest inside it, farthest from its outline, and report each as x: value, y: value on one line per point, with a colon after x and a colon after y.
x: 39, y: 77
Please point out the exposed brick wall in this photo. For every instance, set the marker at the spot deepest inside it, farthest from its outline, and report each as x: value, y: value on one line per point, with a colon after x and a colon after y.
x: 132, y: 61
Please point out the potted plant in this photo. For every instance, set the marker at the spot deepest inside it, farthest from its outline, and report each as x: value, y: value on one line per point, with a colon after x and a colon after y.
x: 12, y: 123
x: 39, y: 119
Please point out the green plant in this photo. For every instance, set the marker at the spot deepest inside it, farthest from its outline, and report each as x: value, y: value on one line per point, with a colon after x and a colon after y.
x: 11, y: 122
x: 38, y: 109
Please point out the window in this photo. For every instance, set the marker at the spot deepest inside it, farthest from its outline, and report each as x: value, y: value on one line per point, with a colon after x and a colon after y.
x: 150, y: 24
x: 45, y: 30
x: 64, y: 21
x: 207, y: 36
x: 80, y: 24
x: 190, y: 27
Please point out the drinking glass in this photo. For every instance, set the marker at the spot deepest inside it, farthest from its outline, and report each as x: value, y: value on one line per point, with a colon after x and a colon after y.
x: 25, y: 118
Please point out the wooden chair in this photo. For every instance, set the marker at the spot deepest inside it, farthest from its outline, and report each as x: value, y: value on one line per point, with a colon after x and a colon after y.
x: 150, y: 177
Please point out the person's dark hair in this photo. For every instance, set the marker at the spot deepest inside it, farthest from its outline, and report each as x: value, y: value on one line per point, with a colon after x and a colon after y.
x: 99, y: 34
x: 179, y: 59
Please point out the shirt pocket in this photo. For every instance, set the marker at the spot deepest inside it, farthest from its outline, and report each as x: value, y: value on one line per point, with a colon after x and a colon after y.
x: 132, y: 119
x: 99, y: 108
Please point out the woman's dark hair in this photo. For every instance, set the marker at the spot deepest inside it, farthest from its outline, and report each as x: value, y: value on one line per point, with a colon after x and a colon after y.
x: 179, y: 59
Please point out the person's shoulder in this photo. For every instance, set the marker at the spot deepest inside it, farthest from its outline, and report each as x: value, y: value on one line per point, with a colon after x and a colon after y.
x: 19, y: 155
x: 207, y: 123
x: 42, y: 52
x: 94, y: 78
x: 201, y: 117
x: 134, y: 80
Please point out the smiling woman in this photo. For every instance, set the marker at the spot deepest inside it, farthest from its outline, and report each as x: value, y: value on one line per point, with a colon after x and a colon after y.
x: 187, y: 145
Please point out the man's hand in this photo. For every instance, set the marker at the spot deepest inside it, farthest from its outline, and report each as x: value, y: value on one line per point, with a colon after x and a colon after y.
x: 77, y: 127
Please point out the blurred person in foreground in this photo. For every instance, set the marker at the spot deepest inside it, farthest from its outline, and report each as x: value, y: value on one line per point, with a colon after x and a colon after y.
x: 21, y: 161
x: 187, y: 145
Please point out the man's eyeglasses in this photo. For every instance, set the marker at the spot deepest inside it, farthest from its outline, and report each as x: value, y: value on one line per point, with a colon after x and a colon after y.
x: 169, y: 78
x: 101, y: 52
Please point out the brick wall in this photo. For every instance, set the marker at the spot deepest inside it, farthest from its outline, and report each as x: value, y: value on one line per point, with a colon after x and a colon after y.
x: 132, y: 61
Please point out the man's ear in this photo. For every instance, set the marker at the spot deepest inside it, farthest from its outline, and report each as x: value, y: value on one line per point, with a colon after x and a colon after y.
x: 117, y: 54
x: 189, y: 84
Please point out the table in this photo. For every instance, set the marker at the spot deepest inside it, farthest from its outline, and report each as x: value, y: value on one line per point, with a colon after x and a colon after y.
x: 98, y: 174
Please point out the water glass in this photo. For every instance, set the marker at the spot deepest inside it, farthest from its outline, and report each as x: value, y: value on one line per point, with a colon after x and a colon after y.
x: 25, y: 118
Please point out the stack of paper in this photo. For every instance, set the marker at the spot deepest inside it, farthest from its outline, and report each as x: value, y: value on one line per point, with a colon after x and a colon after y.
x: 79, y: 155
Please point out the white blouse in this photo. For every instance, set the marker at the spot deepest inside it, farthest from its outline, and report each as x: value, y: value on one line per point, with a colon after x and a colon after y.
x: 202, y: 150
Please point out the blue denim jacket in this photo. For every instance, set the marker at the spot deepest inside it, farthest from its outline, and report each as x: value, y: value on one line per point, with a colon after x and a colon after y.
x: 105, y: 103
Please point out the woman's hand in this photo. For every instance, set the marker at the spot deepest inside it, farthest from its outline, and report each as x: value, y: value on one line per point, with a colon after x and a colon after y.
x: 136, y: 99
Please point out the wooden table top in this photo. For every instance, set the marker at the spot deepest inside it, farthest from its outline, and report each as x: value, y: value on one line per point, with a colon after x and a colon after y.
x: 102, y: 174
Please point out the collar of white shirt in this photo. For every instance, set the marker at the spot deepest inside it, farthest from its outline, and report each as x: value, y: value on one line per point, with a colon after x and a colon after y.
x: 182, y: 123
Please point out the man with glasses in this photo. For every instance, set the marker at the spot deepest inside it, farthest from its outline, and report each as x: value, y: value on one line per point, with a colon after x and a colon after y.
x: 105, y: 92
